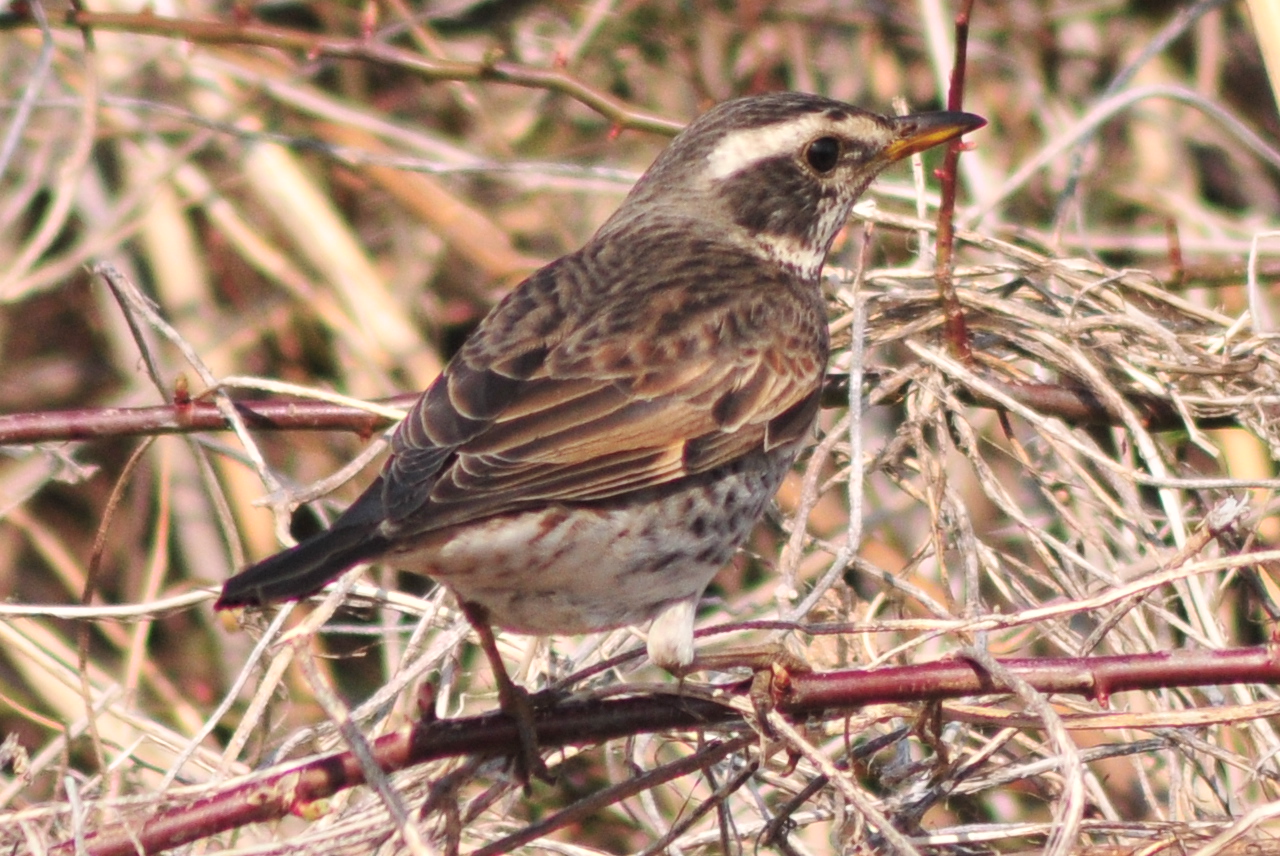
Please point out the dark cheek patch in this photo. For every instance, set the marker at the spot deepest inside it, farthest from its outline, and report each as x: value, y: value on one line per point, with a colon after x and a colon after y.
x: 774, y: 196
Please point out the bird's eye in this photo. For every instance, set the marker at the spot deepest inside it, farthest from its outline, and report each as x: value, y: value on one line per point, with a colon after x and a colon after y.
x: 823, y: 153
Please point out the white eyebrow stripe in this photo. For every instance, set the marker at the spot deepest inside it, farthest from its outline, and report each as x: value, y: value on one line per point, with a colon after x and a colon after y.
x: 740, y: 149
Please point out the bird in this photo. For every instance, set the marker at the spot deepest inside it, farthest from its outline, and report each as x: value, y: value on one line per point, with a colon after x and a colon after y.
x: 611, y: 432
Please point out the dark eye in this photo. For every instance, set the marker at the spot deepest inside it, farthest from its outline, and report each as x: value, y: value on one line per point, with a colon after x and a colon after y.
x: 823, y: 153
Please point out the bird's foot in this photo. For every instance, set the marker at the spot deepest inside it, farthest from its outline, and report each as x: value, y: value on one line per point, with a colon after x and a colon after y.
x: 515, y: 702
x: 772, y: 666
x: 759, y: 658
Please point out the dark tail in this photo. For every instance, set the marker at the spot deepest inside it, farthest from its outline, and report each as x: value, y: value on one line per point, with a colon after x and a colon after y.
x: 304, y: 569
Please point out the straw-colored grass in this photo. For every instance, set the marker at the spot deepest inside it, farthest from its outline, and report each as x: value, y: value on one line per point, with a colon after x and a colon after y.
x: 338, y: 224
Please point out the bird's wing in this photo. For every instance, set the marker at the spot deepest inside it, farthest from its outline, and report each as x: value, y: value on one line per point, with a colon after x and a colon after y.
x: 541, y: 406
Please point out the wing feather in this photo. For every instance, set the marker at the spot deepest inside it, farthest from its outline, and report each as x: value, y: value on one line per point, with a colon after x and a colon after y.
x: 563, y: 403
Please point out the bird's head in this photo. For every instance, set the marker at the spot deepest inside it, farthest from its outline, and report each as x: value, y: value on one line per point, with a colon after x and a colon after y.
x: 779, y: 173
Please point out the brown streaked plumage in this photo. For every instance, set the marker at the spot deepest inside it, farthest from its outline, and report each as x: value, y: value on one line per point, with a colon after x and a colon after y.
x: 611, y: 432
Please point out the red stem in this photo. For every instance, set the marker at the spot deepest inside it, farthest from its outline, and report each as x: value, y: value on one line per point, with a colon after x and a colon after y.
x: 292, y: 788
x: 955, y: 329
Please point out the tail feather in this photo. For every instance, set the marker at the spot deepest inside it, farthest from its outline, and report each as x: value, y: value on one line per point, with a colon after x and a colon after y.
x: 302, y: 570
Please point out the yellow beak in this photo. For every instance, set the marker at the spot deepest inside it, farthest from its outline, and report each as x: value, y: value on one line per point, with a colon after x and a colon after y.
x: 921, y: 131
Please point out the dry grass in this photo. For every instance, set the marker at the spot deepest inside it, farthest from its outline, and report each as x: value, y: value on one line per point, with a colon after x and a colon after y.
x: 339, y: 225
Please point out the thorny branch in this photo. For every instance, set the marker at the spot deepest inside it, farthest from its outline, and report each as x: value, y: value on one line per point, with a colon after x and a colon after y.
x: 294, y: 788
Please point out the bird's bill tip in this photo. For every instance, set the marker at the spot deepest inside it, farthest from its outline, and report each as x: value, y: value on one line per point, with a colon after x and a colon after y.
x: 922, y: 131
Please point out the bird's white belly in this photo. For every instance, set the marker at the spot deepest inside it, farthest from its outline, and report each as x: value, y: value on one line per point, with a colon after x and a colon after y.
x: 566, y: 571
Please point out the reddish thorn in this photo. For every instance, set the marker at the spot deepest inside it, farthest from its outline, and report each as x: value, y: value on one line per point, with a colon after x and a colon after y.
x: 615, y: 131
x: 780, y: 686
x: 181, y: 391
x: 309, y: 809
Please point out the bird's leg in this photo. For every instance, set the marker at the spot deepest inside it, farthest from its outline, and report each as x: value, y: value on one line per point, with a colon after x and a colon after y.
x: 513, y: 700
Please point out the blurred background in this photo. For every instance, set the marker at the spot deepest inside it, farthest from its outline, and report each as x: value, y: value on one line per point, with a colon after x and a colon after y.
x: 330, y: 195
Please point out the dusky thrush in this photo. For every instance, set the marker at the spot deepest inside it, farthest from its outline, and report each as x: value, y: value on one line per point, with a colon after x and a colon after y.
x: 611, y: 432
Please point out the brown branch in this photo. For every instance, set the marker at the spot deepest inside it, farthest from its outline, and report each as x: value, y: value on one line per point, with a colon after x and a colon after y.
x: 1092, y: 677
x: 93, y: 423
x: 315, y: 45
x: 1073, y: 404
x: 1079, y: 406
x: 294, y: 788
